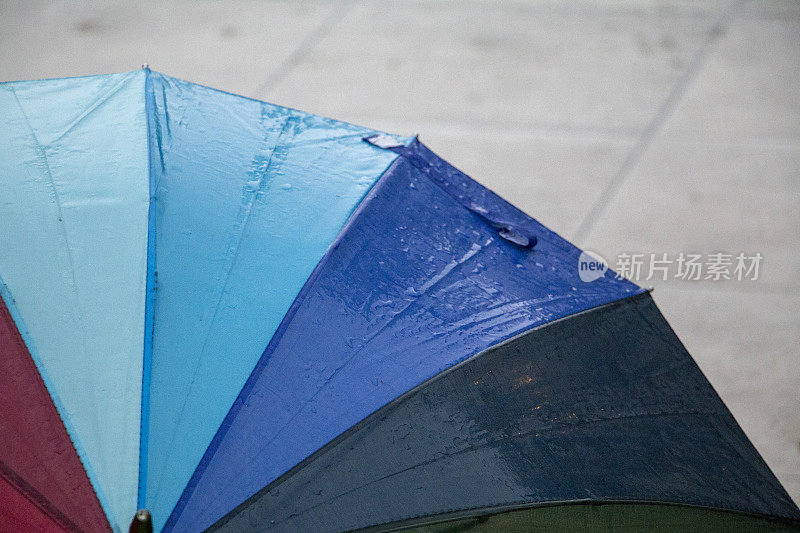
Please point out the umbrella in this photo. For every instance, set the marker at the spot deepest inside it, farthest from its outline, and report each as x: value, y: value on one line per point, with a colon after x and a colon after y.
x: 241, y: 316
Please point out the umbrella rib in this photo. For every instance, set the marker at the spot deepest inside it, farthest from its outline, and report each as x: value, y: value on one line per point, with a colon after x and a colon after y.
x: 42, y: 152
x: 233, y: 249
x: 466, y: 257
x: 102, y: 99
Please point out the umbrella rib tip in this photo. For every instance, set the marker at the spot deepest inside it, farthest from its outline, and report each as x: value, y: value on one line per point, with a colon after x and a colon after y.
x: 142, y: 522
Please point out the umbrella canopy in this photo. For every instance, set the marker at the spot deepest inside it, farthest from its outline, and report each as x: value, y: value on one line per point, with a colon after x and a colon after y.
x: 246, y: 317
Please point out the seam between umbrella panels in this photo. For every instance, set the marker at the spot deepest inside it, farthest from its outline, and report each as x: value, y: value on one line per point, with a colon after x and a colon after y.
x: 512, y: 232
x: 411, y: 392
x: 41, y: 153
x: 255, y: 374
x: 27, y: 491
x: 150, y: 288
x: 276, y: 156
x: 58, y: 406
x: 267, y: 353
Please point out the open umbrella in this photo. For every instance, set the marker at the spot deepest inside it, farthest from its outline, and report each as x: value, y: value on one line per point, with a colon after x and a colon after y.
x: 241, y: 316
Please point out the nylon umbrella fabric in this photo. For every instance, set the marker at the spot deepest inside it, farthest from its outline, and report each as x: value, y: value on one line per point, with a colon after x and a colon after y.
x: 242, y: 316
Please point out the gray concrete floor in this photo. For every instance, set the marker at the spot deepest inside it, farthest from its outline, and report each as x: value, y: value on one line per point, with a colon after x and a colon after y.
x: 627, y: 126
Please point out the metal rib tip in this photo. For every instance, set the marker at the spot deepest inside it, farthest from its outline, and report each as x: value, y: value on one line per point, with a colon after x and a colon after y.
x: 142, y: 522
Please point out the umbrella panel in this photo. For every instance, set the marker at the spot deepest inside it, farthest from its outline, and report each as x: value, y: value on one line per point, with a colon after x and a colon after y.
x: 603, y: 405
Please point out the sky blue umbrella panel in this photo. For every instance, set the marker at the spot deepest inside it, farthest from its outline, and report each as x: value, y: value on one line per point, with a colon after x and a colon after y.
x: 241, y: 316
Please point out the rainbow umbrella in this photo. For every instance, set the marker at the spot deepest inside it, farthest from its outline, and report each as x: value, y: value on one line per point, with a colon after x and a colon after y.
x: 240, y: 316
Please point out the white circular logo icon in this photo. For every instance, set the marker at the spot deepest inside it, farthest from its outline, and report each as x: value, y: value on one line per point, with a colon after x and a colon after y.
x: 591, y: 266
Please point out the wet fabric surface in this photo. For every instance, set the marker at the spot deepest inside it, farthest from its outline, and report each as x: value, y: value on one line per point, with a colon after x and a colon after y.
x: 73, y: 246
x: 415, y: 283
x: 605, y: 405
x: 43, y: 481
x: 210, y: 298
x: 247, y: 197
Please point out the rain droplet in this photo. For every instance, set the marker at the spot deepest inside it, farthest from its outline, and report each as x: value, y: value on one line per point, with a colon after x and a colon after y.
x: 411, y: 291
